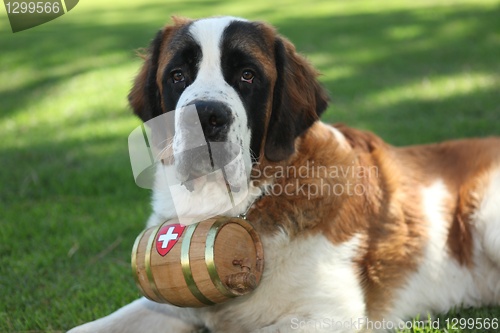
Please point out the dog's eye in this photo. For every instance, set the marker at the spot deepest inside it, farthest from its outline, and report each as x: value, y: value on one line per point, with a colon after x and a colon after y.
x: 247, y: 76
x: 177, y: 76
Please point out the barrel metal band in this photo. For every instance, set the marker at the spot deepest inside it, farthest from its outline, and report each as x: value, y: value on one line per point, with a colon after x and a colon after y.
x: 147, y: 265
x: 134, y: 263
x: 186, y: 266
x: 209, y: 257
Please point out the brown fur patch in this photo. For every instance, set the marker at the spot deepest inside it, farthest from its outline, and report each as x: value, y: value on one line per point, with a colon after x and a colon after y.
x: 461, y: 164
x: 137, y: 96
x: 388, y: 216
x: 392, y: 214
x: 290, y: 204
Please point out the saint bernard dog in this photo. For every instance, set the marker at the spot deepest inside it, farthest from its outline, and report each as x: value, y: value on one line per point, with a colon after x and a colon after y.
x: 358, y: 235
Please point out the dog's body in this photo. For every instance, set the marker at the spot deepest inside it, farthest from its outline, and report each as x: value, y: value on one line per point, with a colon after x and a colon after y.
x: 358, y: 235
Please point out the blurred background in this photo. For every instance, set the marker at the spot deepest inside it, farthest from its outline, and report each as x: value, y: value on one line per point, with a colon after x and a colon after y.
x: 411, y: 71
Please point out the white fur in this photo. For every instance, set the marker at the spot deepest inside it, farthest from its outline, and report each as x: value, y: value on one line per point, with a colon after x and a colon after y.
x: 141, y: 315
x: 339, y: 138
x: 308, y: 280
x: 208, y: 200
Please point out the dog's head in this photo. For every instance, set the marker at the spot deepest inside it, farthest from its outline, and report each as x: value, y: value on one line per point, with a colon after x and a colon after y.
x: 248, y: 84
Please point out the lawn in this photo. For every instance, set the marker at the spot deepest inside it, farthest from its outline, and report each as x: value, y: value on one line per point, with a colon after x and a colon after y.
x: 412, y: 71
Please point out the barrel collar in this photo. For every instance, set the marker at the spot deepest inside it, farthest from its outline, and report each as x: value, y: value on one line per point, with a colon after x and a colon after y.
x: 243, y: 215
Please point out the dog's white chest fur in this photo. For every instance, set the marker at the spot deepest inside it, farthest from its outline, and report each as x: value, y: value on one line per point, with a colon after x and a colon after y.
x: 306, y: 283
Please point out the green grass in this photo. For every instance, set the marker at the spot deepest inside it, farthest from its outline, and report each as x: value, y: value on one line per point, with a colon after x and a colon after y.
x: 412, y: 71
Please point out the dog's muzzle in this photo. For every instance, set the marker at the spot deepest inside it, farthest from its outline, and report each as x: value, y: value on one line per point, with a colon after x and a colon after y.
x: 201, y: 143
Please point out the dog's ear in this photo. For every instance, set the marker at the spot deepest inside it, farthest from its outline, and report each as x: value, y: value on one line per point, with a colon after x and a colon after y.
x: 144, y: 97
x: 298, y: 101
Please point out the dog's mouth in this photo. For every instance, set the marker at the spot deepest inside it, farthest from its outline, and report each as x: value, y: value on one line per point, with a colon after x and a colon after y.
x: 202, y: 148
x: 198, y: 166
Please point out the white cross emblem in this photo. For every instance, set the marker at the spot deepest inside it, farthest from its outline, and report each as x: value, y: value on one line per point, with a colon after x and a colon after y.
x: 169, y: 236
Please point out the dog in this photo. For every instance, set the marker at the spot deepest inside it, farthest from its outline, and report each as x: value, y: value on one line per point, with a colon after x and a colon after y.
x: 358, y: 235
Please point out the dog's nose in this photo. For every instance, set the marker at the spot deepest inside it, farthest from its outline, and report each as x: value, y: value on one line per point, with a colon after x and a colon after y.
x: 215, y: 118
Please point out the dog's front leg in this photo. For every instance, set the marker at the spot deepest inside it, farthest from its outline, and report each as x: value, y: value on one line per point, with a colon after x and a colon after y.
x: 145, y: 316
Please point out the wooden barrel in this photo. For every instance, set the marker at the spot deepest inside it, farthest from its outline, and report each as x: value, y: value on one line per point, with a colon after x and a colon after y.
x: 200, y: 264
